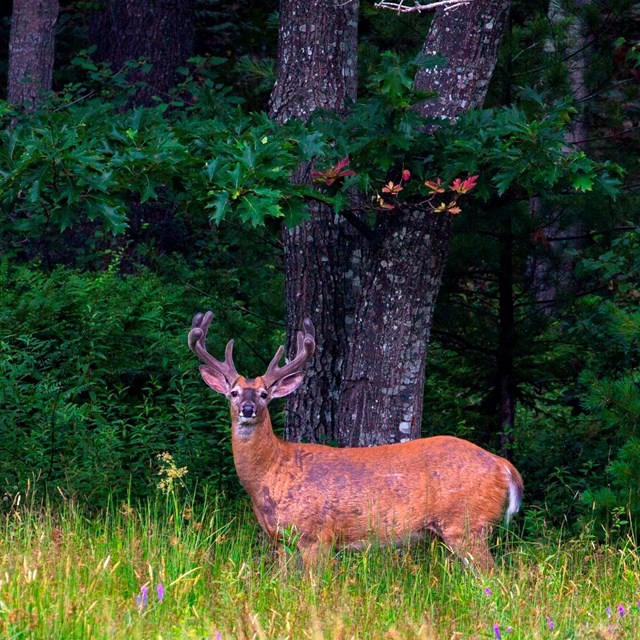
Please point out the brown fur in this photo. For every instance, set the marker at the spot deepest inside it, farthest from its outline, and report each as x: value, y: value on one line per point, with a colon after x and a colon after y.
x: 347, y: 497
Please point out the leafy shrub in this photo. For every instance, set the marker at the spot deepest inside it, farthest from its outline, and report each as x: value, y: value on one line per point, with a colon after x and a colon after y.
x: 98, y: 380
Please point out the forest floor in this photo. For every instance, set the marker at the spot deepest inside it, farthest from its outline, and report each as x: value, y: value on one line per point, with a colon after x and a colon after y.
x: 166, y: 570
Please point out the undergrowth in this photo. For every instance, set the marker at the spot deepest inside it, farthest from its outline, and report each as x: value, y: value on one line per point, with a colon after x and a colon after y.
x: 174, y: 567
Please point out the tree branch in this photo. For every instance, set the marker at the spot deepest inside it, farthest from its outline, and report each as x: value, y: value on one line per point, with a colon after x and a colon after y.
x: 401, y: 7
x: 359, y: 225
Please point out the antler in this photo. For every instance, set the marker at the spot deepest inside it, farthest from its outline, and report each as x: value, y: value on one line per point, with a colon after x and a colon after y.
x: 306, y: 344
x: 197, y: 343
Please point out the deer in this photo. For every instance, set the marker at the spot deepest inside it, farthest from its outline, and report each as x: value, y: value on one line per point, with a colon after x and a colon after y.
x: 348, y: 497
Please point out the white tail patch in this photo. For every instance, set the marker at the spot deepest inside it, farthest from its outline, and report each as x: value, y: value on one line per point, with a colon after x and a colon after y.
x: 515, y: 497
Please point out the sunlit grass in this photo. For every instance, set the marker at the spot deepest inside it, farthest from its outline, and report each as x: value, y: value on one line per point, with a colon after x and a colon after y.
x: 67, y: 575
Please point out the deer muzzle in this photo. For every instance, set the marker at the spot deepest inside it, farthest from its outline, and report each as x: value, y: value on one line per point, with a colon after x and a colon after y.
x: 248, y: 410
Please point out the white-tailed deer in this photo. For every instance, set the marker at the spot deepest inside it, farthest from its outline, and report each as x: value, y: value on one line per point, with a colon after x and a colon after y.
x: 347, y: 497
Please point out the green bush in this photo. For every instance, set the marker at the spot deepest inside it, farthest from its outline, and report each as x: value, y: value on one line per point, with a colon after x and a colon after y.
x: 97, y: 380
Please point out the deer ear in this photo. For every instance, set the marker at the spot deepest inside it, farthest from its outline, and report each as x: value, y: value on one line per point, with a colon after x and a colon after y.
x: 286, y: 385
x: 214, y: 379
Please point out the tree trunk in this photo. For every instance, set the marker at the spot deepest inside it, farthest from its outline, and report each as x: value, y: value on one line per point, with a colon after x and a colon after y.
x: 506, y: 382
x: 468, y: 37
x: 31, y: 51
x: 317, y: 56
x: 372, y: 300
x: 382, y: 391
x: 551, y: 270
x: 157, y: 31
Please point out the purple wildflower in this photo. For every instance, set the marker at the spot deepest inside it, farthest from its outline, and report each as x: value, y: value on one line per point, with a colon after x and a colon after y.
x: 218, y: 635
x: 496, y: 631
x: 508, y: 630
x: 142, y: 600
x: 621, y: 611
x: 551, y: 623
x: 160, y: 592
x: 487, y: 591
x: 608, y: 612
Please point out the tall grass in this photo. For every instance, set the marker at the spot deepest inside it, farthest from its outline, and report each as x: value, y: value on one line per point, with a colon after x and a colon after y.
x: 174, y: 568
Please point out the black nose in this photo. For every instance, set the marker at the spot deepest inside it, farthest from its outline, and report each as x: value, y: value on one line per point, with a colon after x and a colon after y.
x: 248, y: 411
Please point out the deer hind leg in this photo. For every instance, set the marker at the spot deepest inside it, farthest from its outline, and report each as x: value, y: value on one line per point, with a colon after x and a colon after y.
x: 315, y: 555
x: 471, y: 546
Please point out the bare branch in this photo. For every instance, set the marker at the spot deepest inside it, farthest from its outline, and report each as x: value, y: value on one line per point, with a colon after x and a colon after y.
x: 403, y: 6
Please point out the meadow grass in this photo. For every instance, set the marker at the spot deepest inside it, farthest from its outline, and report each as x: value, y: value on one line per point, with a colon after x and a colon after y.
x: 201, y: 569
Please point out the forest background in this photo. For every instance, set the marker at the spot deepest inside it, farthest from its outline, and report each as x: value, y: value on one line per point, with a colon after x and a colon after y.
x: 149, y: 184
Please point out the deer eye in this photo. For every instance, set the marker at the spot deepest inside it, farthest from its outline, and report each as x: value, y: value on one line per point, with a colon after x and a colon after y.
x: 234, y: 394
x: 264, y: 395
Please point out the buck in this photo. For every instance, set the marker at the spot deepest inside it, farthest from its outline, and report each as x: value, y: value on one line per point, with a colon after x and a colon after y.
x: 328, y: 496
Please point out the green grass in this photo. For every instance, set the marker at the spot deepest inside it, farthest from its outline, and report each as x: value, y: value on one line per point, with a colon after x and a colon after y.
x: 67, y: 575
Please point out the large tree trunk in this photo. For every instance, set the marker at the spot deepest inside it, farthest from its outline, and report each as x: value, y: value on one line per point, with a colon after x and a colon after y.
x: 383, y: 388
x: 371, y: 299
x: 31, y: 51
x: 317, y: 56
x: 157, y: 31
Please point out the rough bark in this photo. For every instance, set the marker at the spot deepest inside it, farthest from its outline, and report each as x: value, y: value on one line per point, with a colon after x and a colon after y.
x: 468, y: 38
x: 31, y: 51
x: 384, y: 380
x: 157, y: 31
x: 371, y: 299
x: 317, y: 57
x: 323, y: 259
x: 383, y: 387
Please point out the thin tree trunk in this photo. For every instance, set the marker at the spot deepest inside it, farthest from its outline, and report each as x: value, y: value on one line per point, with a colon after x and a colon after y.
x: 507, y: 387
x: 551, y: 270
x: 31, y: 51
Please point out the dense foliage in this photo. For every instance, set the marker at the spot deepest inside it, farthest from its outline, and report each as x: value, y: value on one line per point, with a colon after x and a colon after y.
x: 97, y: 380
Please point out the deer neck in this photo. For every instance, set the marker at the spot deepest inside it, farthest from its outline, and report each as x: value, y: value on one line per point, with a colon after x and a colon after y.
x: 256, y: 450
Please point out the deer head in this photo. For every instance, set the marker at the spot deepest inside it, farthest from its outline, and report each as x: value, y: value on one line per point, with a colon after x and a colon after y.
x: 249, y: 397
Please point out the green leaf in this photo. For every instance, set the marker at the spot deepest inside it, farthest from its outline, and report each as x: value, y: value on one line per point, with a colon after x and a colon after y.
x: 114, y: 218
x: 583, y: 181
x: 609, y: 185
x: 312, y: 144
x: 212, y: 167
x: 253, y: 208
x: 219, y: 204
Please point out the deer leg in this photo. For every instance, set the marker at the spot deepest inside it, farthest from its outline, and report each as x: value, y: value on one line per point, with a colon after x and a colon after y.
x: 471, y: 547
x: 315, y: 555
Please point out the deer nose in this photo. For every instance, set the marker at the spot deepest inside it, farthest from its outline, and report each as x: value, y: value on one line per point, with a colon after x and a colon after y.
x: 248, y: 410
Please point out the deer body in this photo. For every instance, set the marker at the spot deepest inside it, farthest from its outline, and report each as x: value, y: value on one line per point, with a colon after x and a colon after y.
x: 347, y: 497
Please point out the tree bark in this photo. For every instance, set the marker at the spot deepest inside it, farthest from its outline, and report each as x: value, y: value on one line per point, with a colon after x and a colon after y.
x: 372, y: 300
x: 383, y: 386
x: 506, y: 382
x: 31, y: 51
x: 551, y: 269
x: 157, y: 31
x: 468, y: 38
x: 317, y: 57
